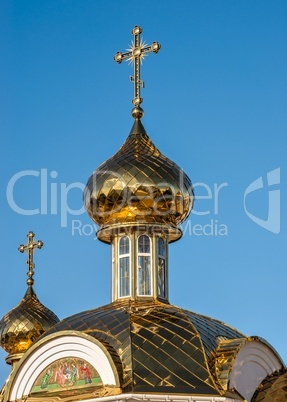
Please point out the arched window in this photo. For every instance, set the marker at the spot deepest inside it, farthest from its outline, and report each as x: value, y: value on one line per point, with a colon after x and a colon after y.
x: 144, y: 266
x: 124, y: 267
x: 161, y: 268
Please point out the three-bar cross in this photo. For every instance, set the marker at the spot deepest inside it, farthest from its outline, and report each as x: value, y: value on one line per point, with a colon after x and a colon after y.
x: 135, y: 54
x: 30, y: 248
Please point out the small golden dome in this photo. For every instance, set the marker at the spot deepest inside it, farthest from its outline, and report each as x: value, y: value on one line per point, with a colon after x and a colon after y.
x: 138, y: 185
x: 24, y: 324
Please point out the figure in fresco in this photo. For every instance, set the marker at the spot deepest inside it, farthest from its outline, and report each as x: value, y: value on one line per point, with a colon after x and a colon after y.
x: 60, y: 376
x: 67, y: 371
x: 87, y: 374
x: 45, y: 379
x: 74, y: 374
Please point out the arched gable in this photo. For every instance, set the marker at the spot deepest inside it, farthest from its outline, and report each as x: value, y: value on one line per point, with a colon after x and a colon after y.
x: 255, y: 360
x: 59, y: 347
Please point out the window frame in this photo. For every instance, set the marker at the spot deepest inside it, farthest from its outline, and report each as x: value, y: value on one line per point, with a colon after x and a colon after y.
x: 162, y: 257
x: 150, y: 268
x: 122, y: 256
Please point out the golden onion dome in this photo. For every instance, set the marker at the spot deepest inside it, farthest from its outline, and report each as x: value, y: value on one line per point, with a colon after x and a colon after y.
x: 138, y: 185
x: 24, y: 324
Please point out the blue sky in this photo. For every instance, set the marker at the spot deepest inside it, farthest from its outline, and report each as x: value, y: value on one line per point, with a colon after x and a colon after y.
x: 215, y: 103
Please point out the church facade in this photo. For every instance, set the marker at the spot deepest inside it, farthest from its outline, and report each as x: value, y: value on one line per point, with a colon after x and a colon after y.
x: 139, y: 347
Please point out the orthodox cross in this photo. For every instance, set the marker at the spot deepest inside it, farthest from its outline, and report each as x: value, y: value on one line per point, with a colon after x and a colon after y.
x: 30, y: 248
x: 135, y: 54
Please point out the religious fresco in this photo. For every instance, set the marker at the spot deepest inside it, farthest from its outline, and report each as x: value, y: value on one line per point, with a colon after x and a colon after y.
x: 67, y: 373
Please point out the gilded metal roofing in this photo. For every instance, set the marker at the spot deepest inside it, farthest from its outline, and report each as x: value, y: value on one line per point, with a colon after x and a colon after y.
x: 212, y: 331
x: 25, y: 323
x: 272, y: 389
x: 156, y: 347
x: 221, y: 361
x: 138, y: 185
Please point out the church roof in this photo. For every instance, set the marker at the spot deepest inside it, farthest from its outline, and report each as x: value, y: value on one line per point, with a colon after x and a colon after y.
x: 156, y: 347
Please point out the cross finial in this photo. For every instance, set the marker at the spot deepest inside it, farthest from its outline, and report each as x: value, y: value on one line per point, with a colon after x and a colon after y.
x: 135, y: 54
x: 30, y: 248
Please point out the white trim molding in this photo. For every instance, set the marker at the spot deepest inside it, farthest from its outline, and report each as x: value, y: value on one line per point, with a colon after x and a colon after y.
x: 160, y: 398
x: 254, y: 361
